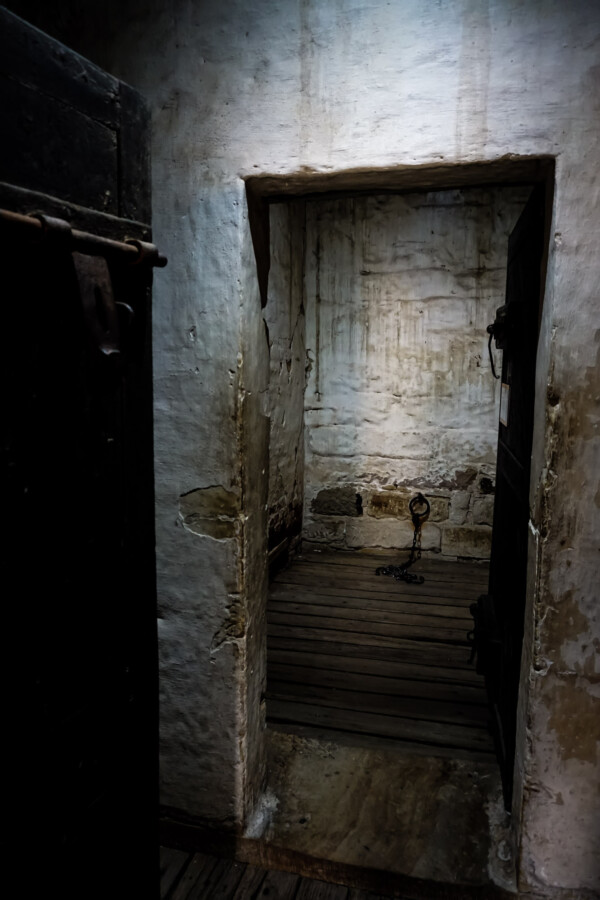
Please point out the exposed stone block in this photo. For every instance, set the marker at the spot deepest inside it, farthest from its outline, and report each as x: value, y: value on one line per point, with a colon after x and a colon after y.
x: 486, y: 485
x: 483, y: 510
x: 473, y: 541
x: 459, y: 507
x: 389, y: 503
x: 370, y: 532
x: 338, y: 501
x: 326, y: 530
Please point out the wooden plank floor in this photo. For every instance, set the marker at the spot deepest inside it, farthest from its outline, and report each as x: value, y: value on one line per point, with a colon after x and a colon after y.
x: 199, y: 876
x: 353, y: 653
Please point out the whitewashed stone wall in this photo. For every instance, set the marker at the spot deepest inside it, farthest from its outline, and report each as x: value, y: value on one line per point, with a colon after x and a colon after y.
x: 300, y: 87
x: 400, y: 396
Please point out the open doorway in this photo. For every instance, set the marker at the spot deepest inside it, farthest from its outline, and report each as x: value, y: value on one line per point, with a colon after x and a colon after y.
x: 381, y: 387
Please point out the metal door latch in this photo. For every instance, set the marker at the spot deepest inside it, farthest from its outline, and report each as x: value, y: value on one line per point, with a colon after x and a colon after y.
x: 98, y: 303
x: 497, y: 331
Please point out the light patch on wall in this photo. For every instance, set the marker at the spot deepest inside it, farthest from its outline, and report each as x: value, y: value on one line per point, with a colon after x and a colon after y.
x: 210, y: 512
x: 399, y: 290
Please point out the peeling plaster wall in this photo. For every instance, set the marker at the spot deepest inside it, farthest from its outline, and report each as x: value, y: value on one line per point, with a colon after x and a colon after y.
x: 400, y: 396
x: 295, y: 87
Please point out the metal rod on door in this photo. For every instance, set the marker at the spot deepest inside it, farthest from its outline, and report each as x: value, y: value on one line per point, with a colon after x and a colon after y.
x: 39, y: 227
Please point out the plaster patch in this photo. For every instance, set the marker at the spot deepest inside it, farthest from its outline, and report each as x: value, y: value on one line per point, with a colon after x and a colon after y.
x: 234, y: 624
x: 575, y: 720
x: 210, y: 512
x: 262, y: 816
x: 502, y: 853
x: 565, y: 627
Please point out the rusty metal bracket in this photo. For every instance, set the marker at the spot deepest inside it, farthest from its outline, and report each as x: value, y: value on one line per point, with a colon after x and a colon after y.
x: 147, y: 253
x: 54, y: 230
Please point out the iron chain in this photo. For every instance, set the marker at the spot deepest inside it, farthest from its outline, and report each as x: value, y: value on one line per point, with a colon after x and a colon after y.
x: 401, y: 573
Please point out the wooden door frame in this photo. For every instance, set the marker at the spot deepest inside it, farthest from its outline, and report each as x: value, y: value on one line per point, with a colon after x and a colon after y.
x: 263, y: 189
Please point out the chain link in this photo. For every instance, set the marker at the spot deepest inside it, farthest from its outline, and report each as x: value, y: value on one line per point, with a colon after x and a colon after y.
x: 401, y: 573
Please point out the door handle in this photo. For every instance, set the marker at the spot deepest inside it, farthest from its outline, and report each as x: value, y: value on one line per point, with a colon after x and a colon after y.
x: 499, y: 327
x: 498, y: 331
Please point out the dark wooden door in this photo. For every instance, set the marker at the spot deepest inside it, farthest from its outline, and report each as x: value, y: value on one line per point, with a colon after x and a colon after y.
x: 516, y: 331
x: 77, y: 552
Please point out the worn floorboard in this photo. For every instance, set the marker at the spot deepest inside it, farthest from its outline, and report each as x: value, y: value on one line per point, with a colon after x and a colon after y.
x: 356, y: 653
x: 198, y: 876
